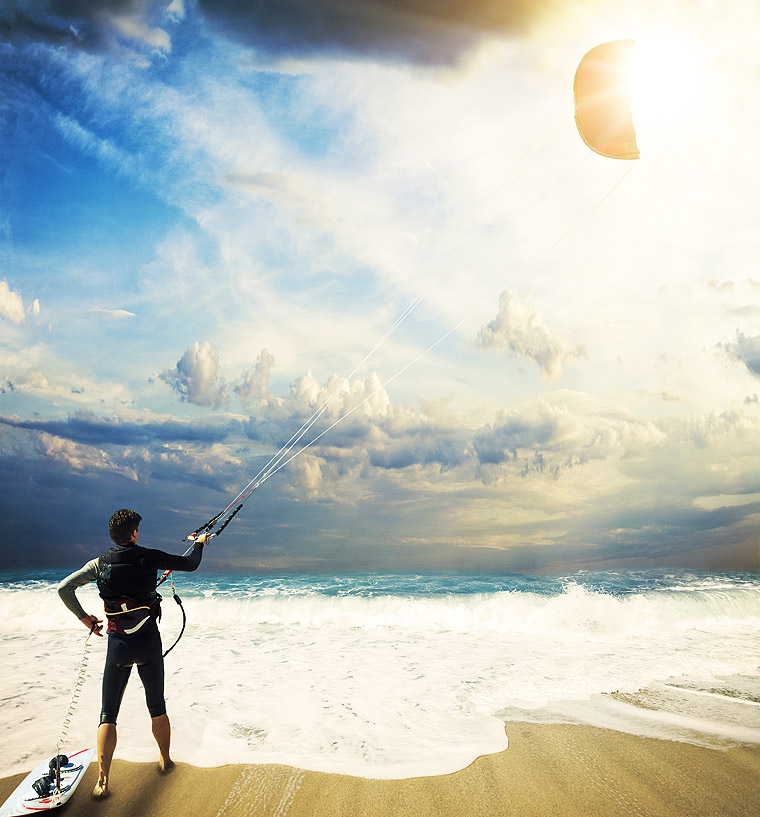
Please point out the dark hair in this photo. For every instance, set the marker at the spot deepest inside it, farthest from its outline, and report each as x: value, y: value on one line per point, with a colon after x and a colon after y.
x: 121, y: 525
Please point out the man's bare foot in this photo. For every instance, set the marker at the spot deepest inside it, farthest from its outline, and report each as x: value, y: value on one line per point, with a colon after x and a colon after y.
x: 165, y: 766
x: 101, y: 790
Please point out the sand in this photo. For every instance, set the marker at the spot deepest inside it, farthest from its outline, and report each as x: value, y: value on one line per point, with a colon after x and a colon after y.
x: 561, y: 770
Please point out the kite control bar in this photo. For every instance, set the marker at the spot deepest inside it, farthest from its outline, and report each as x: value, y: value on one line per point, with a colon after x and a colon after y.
x: 203, y: 529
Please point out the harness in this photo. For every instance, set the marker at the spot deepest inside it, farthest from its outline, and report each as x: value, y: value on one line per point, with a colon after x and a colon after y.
x: 128, y: 590
x: 133, y: 604
x: 127, y: 619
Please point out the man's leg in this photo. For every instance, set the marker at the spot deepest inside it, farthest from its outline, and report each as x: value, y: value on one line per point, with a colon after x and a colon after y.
x: 162, y: 732
x: 115, y: 679
x: 106, y: 741
x: 152, y: 677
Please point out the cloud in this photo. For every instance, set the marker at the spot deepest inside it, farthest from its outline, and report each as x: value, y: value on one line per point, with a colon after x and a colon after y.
x: 423, y: 446
x: 176, y: 10
x: 518, y: 331
x: 320, y: 407
x: 105, y: 150
x: 589, y: 483
x: 308, y: 473
x: 117, y: 314
x: 416, y: 31
x: 499, y: 443
x: 79, y: 457
x: 253, y: 383
x: 120, y: 28
x: 353, y: 427
x: 30, y: 380
x: 199, y: 453
x: 86, y: 427
x: 196, y: 377
x: 553, y: 435
x: 746, y: 350
x: 12, y: 304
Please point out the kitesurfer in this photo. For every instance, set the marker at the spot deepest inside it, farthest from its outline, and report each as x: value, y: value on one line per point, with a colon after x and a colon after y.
x: 126, y: 579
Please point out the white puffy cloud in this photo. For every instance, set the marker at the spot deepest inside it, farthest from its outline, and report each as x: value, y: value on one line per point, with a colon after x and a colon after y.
x: 519, y: 331
x: 308, y: 473
x: 347, y: 410
x: 12, y: 304
x: 253, y: 383
x: 196, y: 377
x: 339, y: 396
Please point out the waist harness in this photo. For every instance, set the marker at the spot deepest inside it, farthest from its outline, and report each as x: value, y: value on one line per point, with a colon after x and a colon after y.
x: 128, y: 589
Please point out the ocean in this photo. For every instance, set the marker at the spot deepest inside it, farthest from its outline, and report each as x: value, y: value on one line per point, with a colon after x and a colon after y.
x: 393, y: 676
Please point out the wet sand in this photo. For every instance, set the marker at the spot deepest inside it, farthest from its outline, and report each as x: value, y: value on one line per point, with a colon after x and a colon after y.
x: 563, y: 770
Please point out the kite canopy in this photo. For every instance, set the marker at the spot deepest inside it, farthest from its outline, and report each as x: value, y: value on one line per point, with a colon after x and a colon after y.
x: 602, y: 90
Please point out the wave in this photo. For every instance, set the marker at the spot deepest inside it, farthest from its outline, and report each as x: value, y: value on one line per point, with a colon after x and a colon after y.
x: 572, y: 608
x: 369, y: 675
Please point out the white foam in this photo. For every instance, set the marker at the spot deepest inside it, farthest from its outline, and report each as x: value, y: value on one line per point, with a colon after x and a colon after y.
x: 383, y: 685
x: 638, y: 716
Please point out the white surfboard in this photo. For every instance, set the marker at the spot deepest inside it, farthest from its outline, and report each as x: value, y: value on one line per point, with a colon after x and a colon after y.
x: 25, y: 800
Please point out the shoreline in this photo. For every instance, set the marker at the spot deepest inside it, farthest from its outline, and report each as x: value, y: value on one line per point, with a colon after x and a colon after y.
x: 566, y: 769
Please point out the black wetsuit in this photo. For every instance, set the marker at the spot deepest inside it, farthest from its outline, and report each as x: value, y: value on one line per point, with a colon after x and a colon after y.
x: 127, y: 583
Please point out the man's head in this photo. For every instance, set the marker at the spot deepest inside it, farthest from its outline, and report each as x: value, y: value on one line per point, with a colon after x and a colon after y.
x: 122, y: 524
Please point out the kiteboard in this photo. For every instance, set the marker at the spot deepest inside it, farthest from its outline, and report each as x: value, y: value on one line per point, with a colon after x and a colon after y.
x: 37, y: 791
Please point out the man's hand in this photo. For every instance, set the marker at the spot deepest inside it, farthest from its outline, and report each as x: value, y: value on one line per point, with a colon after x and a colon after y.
x: 93, y: 624
x: 203, y: 538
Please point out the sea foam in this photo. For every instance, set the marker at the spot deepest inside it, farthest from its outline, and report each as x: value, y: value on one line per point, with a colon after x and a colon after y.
x: 394, y: 676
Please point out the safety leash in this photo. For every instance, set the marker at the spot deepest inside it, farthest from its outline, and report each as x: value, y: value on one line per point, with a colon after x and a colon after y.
x: 53, y: 777
x: 184, y: 618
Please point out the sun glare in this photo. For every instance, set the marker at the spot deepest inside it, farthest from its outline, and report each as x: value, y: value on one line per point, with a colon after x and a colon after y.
x: 667, y: 79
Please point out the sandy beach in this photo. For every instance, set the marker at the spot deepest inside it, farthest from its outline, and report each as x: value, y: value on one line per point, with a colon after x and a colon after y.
x: 547, y: 770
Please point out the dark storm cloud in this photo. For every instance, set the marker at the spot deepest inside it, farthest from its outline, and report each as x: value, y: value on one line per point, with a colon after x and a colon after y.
x: 370, y: 439
x: 58, y: 516
x: 86, y: 427
x: 98, y: 27
x: 659, y: 531
x: 279, y: 426
x: 417, y: 31
x: 431, y: 446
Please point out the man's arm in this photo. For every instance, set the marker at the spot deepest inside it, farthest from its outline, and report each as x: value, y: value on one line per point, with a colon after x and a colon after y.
x: 166, y: 561
x: 67, y: 591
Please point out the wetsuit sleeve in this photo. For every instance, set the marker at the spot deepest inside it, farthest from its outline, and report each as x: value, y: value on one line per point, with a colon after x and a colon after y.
x: 68, y: 587
x: 167, y: 561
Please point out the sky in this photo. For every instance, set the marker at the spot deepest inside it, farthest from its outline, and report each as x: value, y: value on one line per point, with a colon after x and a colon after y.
x: 218, y: 217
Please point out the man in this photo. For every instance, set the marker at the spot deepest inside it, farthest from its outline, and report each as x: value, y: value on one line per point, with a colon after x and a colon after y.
x: 126, y: 576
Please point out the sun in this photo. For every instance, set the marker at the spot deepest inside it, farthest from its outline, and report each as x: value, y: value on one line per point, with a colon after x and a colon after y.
x: 668, y: 91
